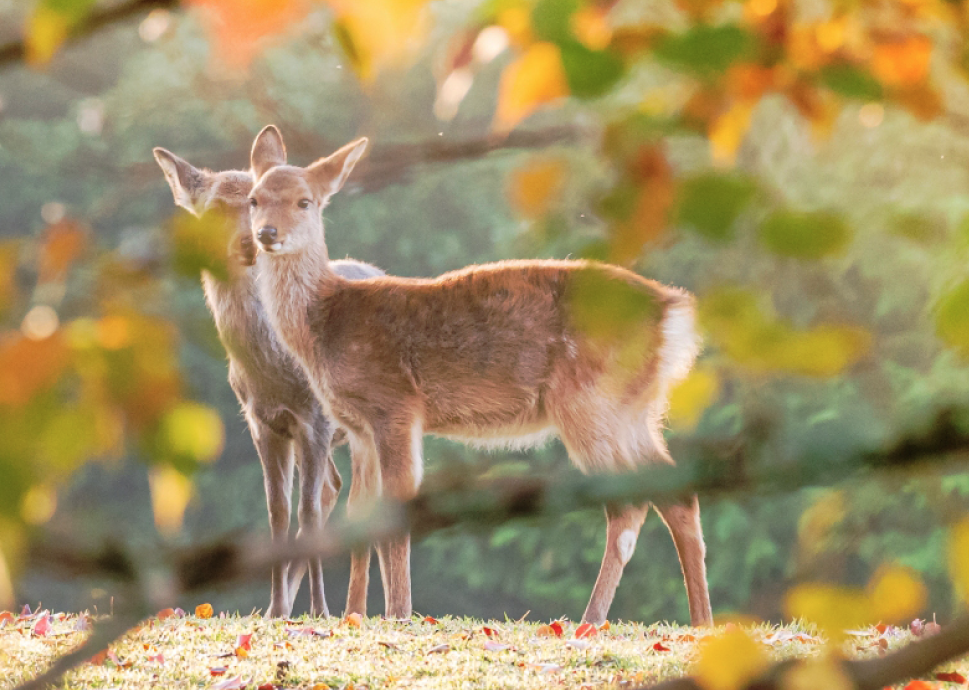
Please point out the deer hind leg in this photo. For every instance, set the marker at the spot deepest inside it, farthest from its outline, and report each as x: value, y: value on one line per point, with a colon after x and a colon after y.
x: 364, y: 488
x: 401, y: 471
x: 622, y: 530
x: 276, y: 454
x: 319, y: 489
x: 683, y: 521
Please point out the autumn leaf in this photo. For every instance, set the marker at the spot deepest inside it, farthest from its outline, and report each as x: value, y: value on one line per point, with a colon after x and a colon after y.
x: 165, y: 613
x: 42, y: 627
x: 553, y: 629
x: 903, y: 61
x: 170, y: 493
x: 534, y: 188
x: 353, y: 620
x: 896, y: 594
x: 535, y: 79
x: 431, y: 619
x: 61, y: 245
x: 378, y: 34
x: 586, y: 630
x: 951, y: 677
x: 28, y: 366
x: 660, y: 647
x: 729, y: 660
x: 204, y: 611
x: 490, y: 632
x: 727, y: 132
x: 239, y: 27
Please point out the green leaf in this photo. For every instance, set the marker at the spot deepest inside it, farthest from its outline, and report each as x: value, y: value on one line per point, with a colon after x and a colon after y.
x: 805, y: 235
x: 706, y: 50
x: 852, y: 82
x: 552, y: 19
x: 952, y: 318
x: 711, y: 202
x: 590, y: 73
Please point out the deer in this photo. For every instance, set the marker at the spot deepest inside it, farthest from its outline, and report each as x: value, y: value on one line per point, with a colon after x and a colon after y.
x: 495, y: 355
x: 285, y: 419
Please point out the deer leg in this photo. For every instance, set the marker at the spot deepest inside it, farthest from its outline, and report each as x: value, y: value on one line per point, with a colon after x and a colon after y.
x: 364, y: 487
x: 401, y: 470
x: 275, y: 453
x: 319, y: 488
x: 622, y: 529
x: 683, y: 521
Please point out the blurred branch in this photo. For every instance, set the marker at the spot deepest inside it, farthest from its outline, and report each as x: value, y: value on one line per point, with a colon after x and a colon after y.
x: 15, y: 51
x: 914, y: 659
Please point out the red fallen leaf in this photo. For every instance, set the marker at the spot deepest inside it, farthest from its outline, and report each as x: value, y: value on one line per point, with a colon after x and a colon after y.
x: 951, y: 677
x: 492, y: 646
x: 881, y: 628
x: 660, y: 648
x: 266, y: 686
x: 165, y: 613
x: 919, y: 685
x: 490, y: 632
x: 234, y: 683
x: 308, y: 632
x: 586, y: 630
x: 5, y: 617
x: 245, y: 642
x: 99, y: 658
x: 42, y: 627
x: 431, y: 619
x: 217, y: 670
x: 160, y: 658
x: 553, y: 628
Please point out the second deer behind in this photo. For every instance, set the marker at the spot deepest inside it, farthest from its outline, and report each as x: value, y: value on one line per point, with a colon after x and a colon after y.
x: 495, y: 355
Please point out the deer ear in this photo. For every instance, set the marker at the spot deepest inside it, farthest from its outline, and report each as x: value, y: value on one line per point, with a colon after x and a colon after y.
x: 268, y: 151
x: 327, y: 175
x: 189, y: 184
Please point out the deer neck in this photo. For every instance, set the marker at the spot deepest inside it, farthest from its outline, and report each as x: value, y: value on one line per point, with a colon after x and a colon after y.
x: 289, y: 284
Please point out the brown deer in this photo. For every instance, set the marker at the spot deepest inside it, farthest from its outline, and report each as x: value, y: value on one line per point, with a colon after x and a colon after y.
x: 285, y: 419
x: 496, y: 354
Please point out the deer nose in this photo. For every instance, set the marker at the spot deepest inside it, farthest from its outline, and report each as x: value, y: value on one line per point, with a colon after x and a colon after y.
x: 267, y: 235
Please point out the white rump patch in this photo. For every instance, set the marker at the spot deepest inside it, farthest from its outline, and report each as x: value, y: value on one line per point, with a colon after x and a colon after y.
x: 681, y: 344
x: 417, y: 452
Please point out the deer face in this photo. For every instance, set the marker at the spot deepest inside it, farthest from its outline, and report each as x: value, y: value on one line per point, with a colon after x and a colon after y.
x: 286, y: 201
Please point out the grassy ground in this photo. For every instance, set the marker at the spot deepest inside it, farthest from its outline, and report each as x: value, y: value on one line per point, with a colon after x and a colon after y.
x: 194, y: 652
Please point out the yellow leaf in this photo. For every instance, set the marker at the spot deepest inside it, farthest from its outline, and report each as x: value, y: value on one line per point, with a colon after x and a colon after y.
x: 378, y: 34
x: 204, y: 611
x: 728, y: 131
x: 590, y: 25
x: 692, y: 396
x: 959, y: 558
x: 534, y: 188
x: 516, y: 20
x: 194, y: 431
x: 897, y: 594
x: 38, y: 505
x: 729, y: 661
x: 170, y: 493
x: 46, y: 30
x: 535, y: 79
x: 833, y: 608
x: 812, y: 674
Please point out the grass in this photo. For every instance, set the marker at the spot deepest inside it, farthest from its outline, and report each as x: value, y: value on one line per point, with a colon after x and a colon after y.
x: 316, y: 654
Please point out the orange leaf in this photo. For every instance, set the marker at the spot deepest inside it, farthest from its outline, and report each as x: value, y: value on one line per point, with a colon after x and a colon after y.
x: 99, y: 658
x: 244, y: 642
x: 490, y: 632
x: 6, y: 617
x: 534, y: 188
x: 919, y: 685
x: 27, y: 366
x: 535, y: 79
x: 241, y: 652
x: 553, y: 629
x: 586, y: 630
x: 605, y: 626
x: 165, y: 613
x: 204, y: 611
x: 354, y: 620
x: 902, y: 62
x: 431, y: 619
x: 62, y: 243
x: 951, y: 677
x: 238, y: 27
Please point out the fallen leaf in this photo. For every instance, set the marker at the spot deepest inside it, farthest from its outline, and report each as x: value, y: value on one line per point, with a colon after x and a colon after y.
x: 917, y: 627
x: 204, y: 611
x: 159, y: 658
x: 217, y: 670
x: 546, y: 668
x: 241, y: 652
x: 431, y: 619
x: 42, y: 627
x: 234, y: 683
x: 490, y: 632
x: 354, y: 620
x: 308, y: 632
x: 99, y: 658
x: 244, y: 642
x: 492, y: 646
x: 586, y: 630
x: 6, y: 617
x: 439, y: 649
x: 605, y: 626
x: 659, y: 647
x: 388, y: 645
x: 165, y: 613
x: 919, y: 685
x: 553, y: 629
x: 951, y: 677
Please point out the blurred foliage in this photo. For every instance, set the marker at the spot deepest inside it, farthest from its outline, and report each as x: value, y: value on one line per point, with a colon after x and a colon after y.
x: 800, y: 167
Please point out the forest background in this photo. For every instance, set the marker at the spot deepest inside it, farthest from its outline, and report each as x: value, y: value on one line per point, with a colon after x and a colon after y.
x: 827, y: 245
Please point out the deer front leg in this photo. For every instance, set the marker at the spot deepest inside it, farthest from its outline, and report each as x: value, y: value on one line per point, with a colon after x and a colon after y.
x: 401, y: 470
x: 622, y: 530
x: 364, y: 487
x: 683, y: 521
x: 319, y: 489
x: 275, y: 453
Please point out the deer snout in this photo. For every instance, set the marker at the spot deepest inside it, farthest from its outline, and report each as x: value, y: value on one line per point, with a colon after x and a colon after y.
x: 267, y: 235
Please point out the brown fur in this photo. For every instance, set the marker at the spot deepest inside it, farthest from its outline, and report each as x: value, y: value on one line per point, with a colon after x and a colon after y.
x: 504, y: 353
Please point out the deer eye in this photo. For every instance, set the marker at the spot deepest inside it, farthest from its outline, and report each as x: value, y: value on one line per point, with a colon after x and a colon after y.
x: 253, y: 202
x: 303, y: 203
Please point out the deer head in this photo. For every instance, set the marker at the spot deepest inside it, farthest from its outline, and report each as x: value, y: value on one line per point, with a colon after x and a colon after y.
x: 287, y: 201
